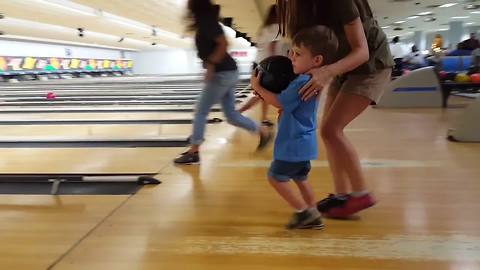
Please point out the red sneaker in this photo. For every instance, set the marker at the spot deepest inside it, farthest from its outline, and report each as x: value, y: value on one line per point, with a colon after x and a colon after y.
x: 352, y: 206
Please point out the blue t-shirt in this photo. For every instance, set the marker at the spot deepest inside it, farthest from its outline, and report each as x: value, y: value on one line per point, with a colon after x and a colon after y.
x: 297, y: 136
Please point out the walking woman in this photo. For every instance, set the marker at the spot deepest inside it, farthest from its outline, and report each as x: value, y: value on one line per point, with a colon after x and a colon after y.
x: 355, y: 80
x: 220, y: 79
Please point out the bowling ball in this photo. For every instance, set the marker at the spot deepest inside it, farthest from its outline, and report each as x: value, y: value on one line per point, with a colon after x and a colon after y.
x: 51, y: 96
x: 475, y: 78
x: 443, y: 75
x: 451, y: 76
x: 277, y: 73
x: 462, y: 78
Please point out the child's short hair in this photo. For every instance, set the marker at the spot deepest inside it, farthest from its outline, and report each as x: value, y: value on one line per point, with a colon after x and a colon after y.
x: 319, y: 40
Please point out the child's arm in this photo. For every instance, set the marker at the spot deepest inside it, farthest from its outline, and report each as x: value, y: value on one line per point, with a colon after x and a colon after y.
x: 250, y: 103
x: 267, y: 96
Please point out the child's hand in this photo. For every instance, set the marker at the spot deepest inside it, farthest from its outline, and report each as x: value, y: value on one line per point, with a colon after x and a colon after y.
x: 255, y: 80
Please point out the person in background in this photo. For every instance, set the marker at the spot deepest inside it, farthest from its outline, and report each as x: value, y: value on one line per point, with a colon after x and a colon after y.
x: 470, y: 44
x: 269, y: 43
x: 398, y: 52
x: 414, y: 59
x: 220, y: 79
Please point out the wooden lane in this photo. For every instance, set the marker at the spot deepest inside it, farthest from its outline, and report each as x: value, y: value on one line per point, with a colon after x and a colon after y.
x: 224, y: 215
x: 100, y: 116
x: 87, y: 160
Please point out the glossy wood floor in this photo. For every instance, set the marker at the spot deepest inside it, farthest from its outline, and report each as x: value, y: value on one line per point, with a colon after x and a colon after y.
x: 224, y: 215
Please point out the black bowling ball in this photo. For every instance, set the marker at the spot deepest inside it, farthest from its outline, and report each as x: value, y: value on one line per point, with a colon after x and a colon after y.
x: 277, y: 73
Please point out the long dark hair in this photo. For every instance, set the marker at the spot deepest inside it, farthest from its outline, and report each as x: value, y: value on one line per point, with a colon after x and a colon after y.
x: 295, y: 15
x: 201, y: 10
x: 272, y: 16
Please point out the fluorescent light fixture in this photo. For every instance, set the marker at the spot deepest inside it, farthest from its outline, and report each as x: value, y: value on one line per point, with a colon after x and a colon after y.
x: 470, y: 23
x: 442, y: 29
x: 386, y: 27
x: 399, y: 22
x: 412, y: 17
x: 139, y: 26
x: 65, y: 7
x: 425, y: 13
x: 475, y: 12
x: 460, y: 17
x: 61, y: 31
x: 448, y: 5
x: 131, y: 25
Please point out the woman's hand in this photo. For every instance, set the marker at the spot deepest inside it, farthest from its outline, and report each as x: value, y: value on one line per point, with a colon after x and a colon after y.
x: 210, y: 72
x: 321, y: 77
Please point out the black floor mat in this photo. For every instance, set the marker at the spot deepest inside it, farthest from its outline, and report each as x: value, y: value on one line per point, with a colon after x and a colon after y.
x: 70, y: 188
x: 95, y: 143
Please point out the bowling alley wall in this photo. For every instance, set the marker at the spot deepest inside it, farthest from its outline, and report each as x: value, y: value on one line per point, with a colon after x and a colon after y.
x: 17, y: 56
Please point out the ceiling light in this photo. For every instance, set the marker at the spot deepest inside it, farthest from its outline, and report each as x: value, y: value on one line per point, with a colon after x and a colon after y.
x: 442, y: 29
x: 62, y: 6
x: 399, y: 22
x: 471, y: 6
x: 425, y: 13
x: 385, y: 27
x: 448, y: 5
x: 475, y: 12
x: 460, y: 17
x: 412, y: 17
x: 128, y: 24
x: 470, y: 23
x: 140, y: 26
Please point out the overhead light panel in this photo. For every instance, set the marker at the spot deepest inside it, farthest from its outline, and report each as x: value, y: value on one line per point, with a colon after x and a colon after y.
x: 471, y: 6
x: 399, y: 22
x: 425, y: 13
x: 413, y: 17
x: 64, y: 5
x: 448, y: 5
x: 460, y: 17
x: 140, y: 26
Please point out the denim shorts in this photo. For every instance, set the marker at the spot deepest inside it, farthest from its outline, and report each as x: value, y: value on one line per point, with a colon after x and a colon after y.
x: 283, y: 171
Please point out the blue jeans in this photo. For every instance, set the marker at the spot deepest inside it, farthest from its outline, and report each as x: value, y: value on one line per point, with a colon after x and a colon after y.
x: 221, y: 88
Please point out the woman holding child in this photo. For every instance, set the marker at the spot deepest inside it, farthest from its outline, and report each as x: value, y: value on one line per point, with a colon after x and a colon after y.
x: 355, y: 80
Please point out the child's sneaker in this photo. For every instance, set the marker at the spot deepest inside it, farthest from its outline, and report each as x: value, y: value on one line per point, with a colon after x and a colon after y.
x: 317, y: 224
x: 352, y: 206
x: 188, y: 158
x: 333, y: 200
x: 302, y: 219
